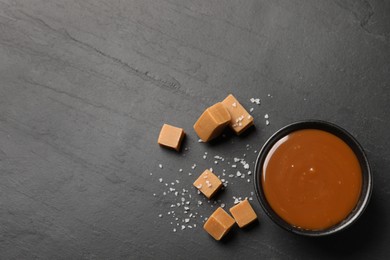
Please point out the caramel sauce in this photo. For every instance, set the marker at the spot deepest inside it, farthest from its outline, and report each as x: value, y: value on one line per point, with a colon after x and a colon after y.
x: 311, y: 179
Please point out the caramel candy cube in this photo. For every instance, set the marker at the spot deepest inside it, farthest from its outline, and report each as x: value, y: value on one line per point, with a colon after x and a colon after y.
x: 212, y: 122
x: 218, y: 224
x: 171, y: 136
x: 240, y: 118
x: 208, y: 183
x: 243, y: 213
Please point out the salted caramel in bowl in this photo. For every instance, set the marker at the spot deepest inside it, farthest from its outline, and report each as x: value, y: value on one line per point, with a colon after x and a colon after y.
x: 313, y: 178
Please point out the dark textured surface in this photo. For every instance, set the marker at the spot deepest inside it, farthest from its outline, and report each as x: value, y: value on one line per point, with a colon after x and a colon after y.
x: 86, y: 85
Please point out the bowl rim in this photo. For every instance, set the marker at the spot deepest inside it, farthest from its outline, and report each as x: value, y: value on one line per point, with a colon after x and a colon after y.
x: 367, y: 182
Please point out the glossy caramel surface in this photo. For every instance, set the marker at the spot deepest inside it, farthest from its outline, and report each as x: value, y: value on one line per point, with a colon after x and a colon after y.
x: 312, y: 179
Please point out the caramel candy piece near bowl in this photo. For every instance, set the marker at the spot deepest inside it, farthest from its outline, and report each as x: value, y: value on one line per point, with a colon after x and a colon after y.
x: 243, y: 213
x: 219, y: 223
x: 171, y: 136
x: 208, y: 183
x: 240, y: 118
x: 212, y: 122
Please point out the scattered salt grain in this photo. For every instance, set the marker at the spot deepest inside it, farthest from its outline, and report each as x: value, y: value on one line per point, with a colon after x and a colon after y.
x: 160, y: 180
x: 251, y: 110
x: 234, y: 104
x: 222, y: 205
x: 266, y: 122
x: 160, y: 216
x: 266, y: 116
x: 255, y: 101
x: 183, y: 227
x: 174, y: 230
x: 160, y: 165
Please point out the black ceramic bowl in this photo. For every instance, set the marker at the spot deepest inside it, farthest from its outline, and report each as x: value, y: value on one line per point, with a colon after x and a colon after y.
x: 348, y: 139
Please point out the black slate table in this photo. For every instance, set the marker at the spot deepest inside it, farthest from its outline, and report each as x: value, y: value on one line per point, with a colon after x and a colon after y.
x: 85, y: 87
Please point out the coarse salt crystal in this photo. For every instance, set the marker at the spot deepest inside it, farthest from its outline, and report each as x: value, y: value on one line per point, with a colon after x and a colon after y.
x: 183, y: 227
x: 160, y: 165
x: 160, y: 180
x: 199, y: 186
x: 186, y: 220
x: 238, y: 173
x: 180, y: 170
x: 222, y: 205
x: 266, y: 122
x: 174, y: 230
x: 266, y: 116
x: 160, y: 215
x: 234, y: 166
x: 208, y: 183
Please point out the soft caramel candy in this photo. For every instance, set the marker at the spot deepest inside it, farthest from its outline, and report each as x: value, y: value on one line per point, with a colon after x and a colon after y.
x: 212, y: 122
x: 208, y: 183
x: 219, y: 223
x: 243, y: 213
x: 171, y: 136
x: 240, y: 118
